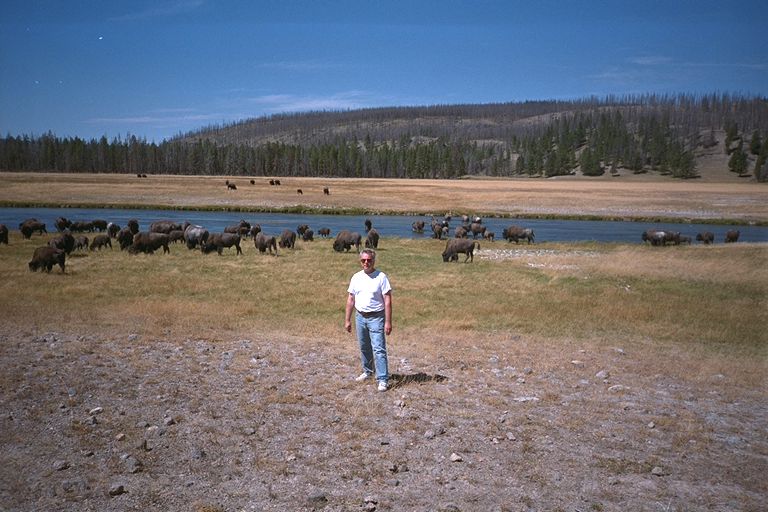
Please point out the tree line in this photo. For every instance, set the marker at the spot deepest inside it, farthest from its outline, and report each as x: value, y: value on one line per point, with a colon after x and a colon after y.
x: 639, y: 134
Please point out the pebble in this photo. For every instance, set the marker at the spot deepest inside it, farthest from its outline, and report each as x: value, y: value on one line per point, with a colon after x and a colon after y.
x: 116, y: 489
x: 526, y: 399
x: 60, y: 465
x: 455, y: 457
x: 120, y: 436
x: 651, y: 425
x: 617, y: 388
x: 511, y: 436
x: 577, y: 362
x: 95, y: 411
x: 602, y: 374
x: 317, y: 498
x: 657, y: 471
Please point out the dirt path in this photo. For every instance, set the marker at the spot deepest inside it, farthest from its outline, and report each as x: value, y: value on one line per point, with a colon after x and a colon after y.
x: 106, y: 421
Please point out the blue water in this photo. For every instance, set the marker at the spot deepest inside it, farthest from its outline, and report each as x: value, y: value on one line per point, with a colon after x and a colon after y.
x: 387, y: 225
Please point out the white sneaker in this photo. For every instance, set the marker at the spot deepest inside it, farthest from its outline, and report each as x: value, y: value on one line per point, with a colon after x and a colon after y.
x: 363, y: 376
x: 382, y: 386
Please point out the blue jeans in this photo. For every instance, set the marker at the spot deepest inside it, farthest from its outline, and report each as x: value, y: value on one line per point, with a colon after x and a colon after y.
x: 373, y: 344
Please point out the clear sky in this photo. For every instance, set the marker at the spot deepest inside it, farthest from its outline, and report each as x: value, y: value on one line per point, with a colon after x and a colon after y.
x: 155, y: 68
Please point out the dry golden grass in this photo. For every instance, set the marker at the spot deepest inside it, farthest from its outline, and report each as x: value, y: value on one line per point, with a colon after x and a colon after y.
x: 606, y: 197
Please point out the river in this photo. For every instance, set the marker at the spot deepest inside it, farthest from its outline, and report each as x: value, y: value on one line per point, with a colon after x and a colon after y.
x: 387, y: 225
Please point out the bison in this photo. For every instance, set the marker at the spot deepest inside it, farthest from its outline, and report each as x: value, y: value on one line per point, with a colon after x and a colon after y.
x: 308, y: 235
x: 62, y: 223
x: 147, y: 242
x: 81, y: 242
x: 372, y: 240
x: 46, y: 257
x: 516, y: 233
x: 99, y: 224
x: 255, y: 230
x: 81, y: 226
x: 30, y: 226
x: 194, y: 235
x: 477, y: 228
x: 707, y: 237
x: 345, y: 240
x: 124, y: 238
x: 65, y: 241
x: 732, y: 236
x: 218, y: 241
x: 164, y: 226
x: 418, y: 226
x: 265, y: 243
x: 460, y: 245
x: 324, y: 232
x: 113, y: 229
x: 100, y: 241
x: 133, y: 225
x: 3, y: 234
x: 177, y: 235
x: 660, y: 238
x: 326, y: 191
x: 287, y: 239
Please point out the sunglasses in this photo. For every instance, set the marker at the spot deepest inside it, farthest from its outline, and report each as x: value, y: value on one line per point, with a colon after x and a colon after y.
x: 365, y: 260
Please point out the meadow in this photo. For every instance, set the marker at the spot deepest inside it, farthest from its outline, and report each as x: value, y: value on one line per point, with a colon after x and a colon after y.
x: 595, y: 376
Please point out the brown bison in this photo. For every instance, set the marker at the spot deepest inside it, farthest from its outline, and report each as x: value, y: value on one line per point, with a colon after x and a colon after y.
x: 476, y: 228
x: 62, y: 223
x: 65, y: 241
x: 345, y: 240
x: 46, y: 257
x: 177, y: 235
x: 81, y: 242
x: 732, y: 236
x: 100, y: 241
x: 3, y: 234
x: 164, y: 226
x: 418, y: 226
x: 455, y: 246
x: 113, y: 229
x: 218, y: 241
x: 133, y: 225
x: 146, y: 242
x: 707, y: 237
x: 194, y: 235
x: 125, y: 238
x: 99, y: 224
x: 516, y: 233
x: 372, y: 240
x: 30, y: 226
x: 308, y: 235
x: 287, y: 239
x: 265, y: 243
x: 324, y: 232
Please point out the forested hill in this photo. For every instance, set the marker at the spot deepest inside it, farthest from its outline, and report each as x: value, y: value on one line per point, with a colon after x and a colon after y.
x: 668, y: 135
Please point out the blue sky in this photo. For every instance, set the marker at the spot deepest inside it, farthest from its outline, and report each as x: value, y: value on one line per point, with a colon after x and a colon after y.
x: 157, y: 68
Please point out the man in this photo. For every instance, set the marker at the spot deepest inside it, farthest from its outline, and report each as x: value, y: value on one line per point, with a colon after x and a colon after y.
x: 370, y: 296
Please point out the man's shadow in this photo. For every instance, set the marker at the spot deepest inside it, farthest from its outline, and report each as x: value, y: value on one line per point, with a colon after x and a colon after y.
x: 397, y: 380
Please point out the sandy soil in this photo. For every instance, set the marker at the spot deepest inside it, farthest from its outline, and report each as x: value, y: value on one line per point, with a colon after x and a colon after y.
x: 112, y: 421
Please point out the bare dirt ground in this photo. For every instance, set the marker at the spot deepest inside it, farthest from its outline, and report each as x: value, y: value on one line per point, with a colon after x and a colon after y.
x: 113, y: 421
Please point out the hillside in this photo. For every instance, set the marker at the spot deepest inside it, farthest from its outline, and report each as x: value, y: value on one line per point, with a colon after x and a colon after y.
x: 712, y: 137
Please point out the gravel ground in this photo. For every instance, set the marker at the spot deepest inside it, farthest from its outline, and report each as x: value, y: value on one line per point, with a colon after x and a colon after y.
x: 96, y: 421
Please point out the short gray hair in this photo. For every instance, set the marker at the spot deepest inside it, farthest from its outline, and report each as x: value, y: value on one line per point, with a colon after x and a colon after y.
x: 369, y: 252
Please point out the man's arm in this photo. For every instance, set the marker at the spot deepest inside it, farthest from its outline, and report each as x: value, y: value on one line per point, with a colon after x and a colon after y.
x: 348, y: 312
x: 388, y: 312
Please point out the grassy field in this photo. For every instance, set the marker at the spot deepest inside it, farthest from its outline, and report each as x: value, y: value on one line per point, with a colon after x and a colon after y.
x: 623, y: 198
x: 708, y: 299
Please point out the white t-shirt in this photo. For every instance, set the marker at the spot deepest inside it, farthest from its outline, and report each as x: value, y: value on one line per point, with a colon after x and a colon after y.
x: 369, y: 290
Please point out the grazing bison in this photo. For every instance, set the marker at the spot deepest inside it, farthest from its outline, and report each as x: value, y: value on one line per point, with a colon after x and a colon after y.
x: 707, y: 237
x: 30, y: 226
x: 345, y: 240
x: 299, y: 191
x: 308, y: 235
x: 218, y: 241
x: 81, y: 242
x: 265, y: 243
x: 372, y: 240
x: 438, y: 230
x: 460, y: 232
x: 100, y: 241
x: 3, y: 234
x: 287, y: 239
x: 148, y: 243
x: 99, y: 224
x: 62, y: 223
x: 81, y: 226
x: 133, y: 225
x: 194, y: 235
x: 418, y: 226
x: 301, y: 229
x: 326, y: 191
x: 164, y: 226
x: 113, y: 229
x: 253, y: 182
x: 124, y: 238
x: 241, y: 228
x: 661, y: 238
x: 177, y: 235
x: 489, y: 235
x: 46, y: 257
x: 368, y: 225
x: 455, y: 246
x: 65, y: 241
x: 516, y: 233
x: 732, y: 236
x: 324, y: 232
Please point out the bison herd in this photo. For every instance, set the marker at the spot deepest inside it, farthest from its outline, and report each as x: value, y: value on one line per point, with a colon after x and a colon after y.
x: 161, y: 234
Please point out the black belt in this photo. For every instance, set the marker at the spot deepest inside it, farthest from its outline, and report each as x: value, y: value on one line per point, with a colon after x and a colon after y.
x: 368, y: 314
